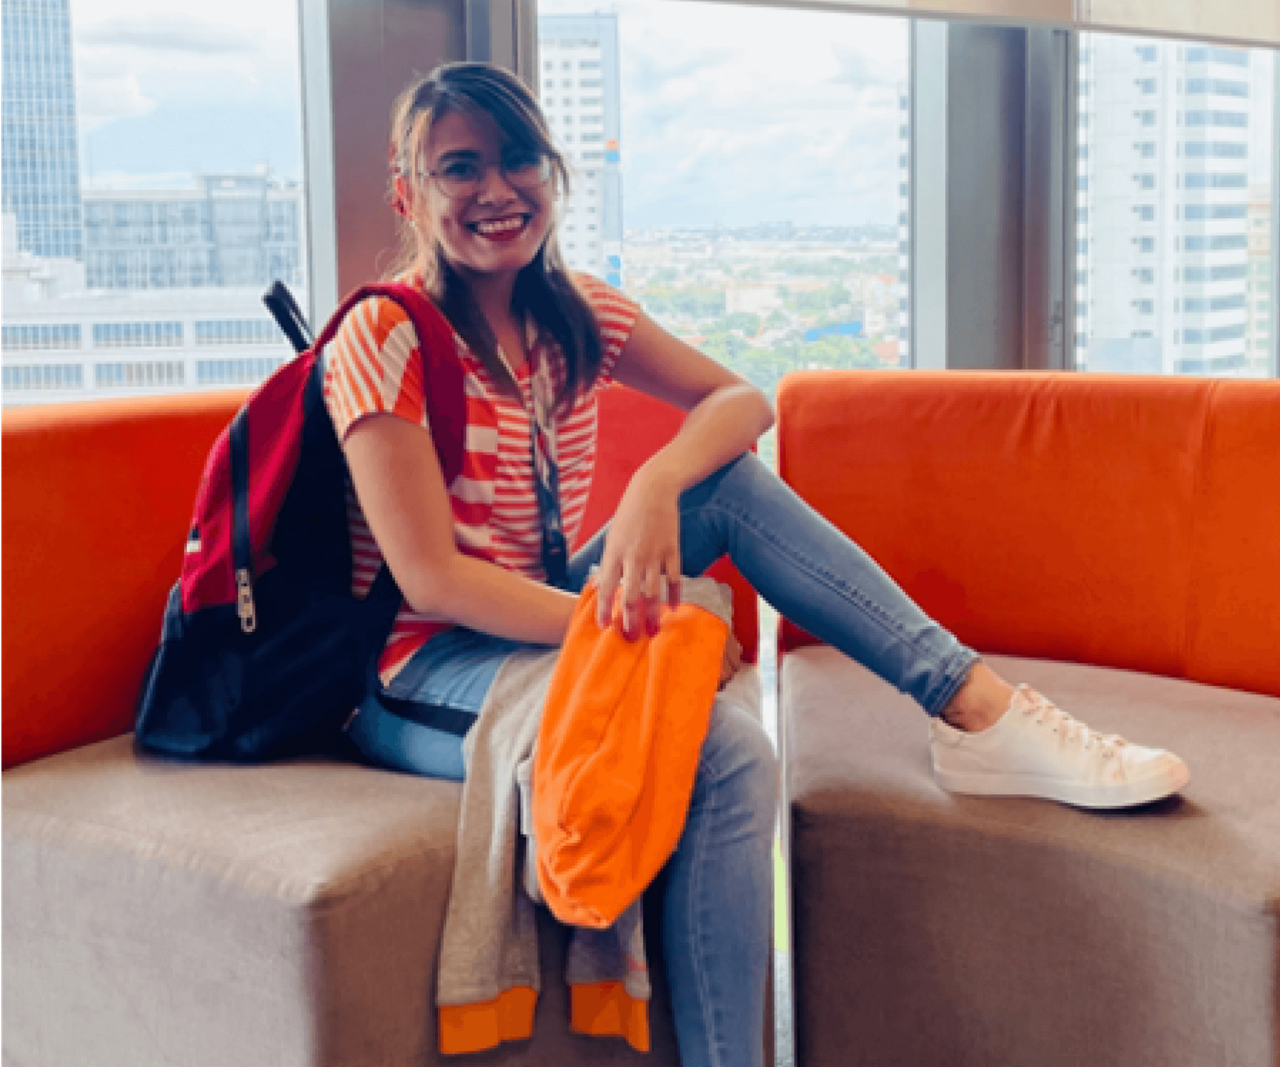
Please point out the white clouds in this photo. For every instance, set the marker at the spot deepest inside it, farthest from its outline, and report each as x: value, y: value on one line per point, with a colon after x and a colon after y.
x: 737, y: 114
x: 167, y: 32
x: 132, y: 56
x: 104, y: 93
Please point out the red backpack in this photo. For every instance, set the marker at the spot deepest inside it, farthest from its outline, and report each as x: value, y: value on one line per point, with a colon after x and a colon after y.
x: 263, y: 650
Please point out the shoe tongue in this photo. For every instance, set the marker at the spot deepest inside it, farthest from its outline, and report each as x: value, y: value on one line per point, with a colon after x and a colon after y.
x: 1025, y: 699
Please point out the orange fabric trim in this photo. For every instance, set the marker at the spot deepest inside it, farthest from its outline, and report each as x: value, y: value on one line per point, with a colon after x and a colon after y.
x: 476, y: 1027
x: 605, y: 1008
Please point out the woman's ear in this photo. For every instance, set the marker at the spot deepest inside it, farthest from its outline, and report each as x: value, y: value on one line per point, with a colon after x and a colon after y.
x: 403, y: 200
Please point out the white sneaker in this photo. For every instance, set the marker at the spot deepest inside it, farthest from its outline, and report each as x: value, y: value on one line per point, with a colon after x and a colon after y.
x: 1037, y: 750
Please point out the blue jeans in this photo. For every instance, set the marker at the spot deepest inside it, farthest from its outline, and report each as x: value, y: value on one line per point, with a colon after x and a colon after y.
x: 719, y: 884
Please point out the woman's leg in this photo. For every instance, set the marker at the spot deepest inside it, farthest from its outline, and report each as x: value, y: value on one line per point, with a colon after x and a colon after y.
x: 815, y: 576
x: 719, y: 896
x: 451, y: 673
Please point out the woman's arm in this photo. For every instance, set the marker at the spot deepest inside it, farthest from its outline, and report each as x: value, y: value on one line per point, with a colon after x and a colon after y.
x: 726, y: 416
x: 401, y: 490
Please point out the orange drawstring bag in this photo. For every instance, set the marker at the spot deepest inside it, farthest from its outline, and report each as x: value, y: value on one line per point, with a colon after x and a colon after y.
x: 616, y: 756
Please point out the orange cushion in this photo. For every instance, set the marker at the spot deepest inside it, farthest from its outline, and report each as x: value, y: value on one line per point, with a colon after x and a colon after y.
x: 97, y: 498
x: 1233, y: 601
x: 1112, y: 520
x: 632, y: 427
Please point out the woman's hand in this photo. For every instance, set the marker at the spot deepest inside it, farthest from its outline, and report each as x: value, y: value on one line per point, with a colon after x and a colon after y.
x: 641, y: 561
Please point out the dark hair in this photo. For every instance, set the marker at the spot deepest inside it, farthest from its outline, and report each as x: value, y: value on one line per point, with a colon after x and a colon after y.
x: 543, y: 289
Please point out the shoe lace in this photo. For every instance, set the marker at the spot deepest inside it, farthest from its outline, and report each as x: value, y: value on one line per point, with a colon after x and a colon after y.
x: 1071, y: 730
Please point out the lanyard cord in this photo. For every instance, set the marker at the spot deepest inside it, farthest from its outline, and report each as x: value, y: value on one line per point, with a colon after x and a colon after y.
x: 546, y: 478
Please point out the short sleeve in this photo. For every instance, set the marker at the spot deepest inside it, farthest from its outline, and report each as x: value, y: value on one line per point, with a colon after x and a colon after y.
x: 616, y: 313
x: 372, y: 366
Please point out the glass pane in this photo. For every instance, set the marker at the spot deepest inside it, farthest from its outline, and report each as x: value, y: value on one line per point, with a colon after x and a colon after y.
x: 750, y: 192
x: 152, y: 163
x: 1176, y: 195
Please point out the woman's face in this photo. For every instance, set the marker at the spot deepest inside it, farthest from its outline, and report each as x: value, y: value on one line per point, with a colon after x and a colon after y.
x: 495, y: 227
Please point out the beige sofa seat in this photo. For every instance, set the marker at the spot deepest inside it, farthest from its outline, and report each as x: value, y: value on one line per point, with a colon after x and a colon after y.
x: 184, y: 915
x: 934, y: 930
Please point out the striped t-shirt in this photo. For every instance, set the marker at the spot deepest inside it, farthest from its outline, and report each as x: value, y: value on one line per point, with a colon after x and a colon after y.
x: 372, y: 366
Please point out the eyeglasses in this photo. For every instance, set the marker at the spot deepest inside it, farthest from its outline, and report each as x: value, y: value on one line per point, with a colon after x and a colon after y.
x: 463, y: 176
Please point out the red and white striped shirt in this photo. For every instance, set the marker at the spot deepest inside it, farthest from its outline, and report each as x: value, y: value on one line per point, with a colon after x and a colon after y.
x: 372, y: 367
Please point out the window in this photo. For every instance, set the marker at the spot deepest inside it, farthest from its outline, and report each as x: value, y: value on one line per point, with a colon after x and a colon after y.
x: 238, y: 332
x: 139, y: 189
x: 1226, y: 273
x: 1235, y: 119
x: 1227, y: 243
x: 1220, y: 169
x: 37, y: 337
x: 1213, y: 336
x: 1201, y: 304
x: 1234, y: 57
x: 1215, y: 150
x: 1239, y: 180
x: 137, y: 335
x: 766, y: 250
x: 1217, y: 87
x: 1200, y: 212
x: 138, y: 375
x: 1146, y: 86
x: 234, y: 371
x: 44, y: 377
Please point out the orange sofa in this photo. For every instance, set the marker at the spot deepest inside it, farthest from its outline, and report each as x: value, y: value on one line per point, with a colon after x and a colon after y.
x: 159, y: 913
x: 1114, y: 541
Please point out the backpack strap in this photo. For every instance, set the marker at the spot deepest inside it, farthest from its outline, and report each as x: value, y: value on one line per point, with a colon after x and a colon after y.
x: 445, y: 399
x: 442, y: 371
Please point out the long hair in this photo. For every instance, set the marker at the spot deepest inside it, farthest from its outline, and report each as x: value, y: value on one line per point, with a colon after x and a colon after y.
x: 544, y: 289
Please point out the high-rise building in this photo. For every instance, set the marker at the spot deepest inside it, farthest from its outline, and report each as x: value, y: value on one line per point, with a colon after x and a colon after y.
x: 40, y: 158
x: 578, y: 83
x: 1163, y: 206
x: 229, y: 230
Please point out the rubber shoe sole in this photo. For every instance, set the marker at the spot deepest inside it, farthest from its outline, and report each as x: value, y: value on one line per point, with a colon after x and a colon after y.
x: 1078, y: 794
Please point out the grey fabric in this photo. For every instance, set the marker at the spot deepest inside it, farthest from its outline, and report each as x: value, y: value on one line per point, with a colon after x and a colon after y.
x: 490, y: 939
x: 945, y: 931
x: 175, y: 915
x: 490, y: 935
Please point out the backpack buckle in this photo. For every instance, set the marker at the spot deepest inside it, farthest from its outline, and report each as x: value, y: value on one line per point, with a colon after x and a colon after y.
x: 244, y: 601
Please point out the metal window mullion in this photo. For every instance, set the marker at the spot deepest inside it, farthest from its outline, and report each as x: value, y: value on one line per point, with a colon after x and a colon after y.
x: 1274, y: 310
x: 928, y: 195
x: 1069, y: 53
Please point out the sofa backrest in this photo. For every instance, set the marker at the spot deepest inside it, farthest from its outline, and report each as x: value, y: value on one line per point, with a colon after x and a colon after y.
x: 96, y: 502
x: 1122, y: 521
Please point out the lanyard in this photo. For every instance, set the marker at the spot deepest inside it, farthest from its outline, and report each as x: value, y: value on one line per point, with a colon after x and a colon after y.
x: 546, y: 475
